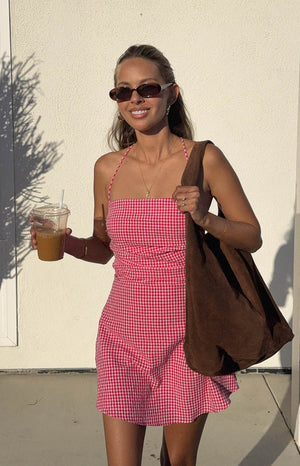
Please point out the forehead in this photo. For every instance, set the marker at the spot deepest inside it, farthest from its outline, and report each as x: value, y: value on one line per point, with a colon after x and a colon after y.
x: 136, y: 69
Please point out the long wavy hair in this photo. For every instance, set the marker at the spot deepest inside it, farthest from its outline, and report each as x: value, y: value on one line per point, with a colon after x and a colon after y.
x: 121, y: 134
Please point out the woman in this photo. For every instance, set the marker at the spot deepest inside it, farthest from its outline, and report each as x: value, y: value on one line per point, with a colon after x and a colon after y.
x: 139, y: 217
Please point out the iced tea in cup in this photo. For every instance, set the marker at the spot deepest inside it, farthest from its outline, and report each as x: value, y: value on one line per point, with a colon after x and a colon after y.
x: 50, y: 223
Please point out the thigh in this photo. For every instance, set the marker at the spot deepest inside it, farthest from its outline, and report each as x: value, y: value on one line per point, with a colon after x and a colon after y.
x: 181, y: 441
x: 124, y: 442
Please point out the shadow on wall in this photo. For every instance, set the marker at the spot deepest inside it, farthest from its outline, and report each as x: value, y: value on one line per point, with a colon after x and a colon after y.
x: 282, y: 283
x: 282, y: 280
x: 24, y: 161
x: 273, y: 442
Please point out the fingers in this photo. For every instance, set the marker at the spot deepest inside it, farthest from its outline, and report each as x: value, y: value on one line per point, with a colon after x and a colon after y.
x: 187, y: 205
x: 187, y: 198
x: 185, y: 191
x: 33, y: 238
x: 33, y: 235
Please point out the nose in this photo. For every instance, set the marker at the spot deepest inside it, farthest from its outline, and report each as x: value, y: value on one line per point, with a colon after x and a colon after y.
x: 136, y: 97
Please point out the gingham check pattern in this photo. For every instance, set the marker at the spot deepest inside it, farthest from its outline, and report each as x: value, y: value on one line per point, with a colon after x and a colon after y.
x: 142, y: 373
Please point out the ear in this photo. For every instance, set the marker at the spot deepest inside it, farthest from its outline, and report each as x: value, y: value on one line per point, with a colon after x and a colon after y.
x: 173, y: 94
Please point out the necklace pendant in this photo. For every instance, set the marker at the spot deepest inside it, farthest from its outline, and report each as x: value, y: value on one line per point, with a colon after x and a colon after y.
x: 148, y: 195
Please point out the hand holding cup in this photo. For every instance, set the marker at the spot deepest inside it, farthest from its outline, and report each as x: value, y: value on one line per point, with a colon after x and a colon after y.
x: 49, y: 231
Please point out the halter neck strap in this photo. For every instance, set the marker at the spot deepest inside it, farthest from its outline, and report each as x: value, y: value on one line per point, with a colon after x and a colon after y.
x: 117, y: 169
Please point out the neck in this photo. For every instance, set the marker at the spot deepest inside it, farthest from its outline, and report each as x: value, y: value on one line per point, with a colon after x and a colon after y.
x: 156, y: 147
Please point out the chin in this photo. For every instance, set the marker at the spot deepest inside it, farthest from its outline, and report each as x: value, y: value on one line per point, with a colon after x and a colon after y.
x: 149, y: 128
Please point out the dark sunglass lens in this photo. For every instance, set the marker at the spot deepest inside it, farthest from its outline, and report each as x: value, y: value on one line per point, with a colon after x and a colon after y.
x: 123, y: 93
x: 149, y: 90
x: 112, y: 94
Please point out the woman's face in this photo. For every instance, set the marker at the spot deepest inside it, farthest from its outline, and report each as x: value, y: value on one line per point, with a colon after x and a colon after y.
x: 144, y: 114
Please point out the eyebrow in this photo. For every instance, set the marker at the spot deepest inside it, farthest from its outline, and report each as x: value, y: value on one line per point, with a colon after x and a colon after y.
x: 141, y: 82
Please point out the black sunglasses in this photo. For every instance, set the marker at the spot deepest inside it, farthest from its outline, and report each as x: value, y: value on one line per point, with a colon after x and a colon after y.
x: 123, y: 93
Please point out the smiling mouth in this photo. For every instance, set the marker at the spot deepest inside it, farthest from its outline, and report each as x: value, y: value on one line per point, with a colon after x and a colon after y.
x: 140, y: 112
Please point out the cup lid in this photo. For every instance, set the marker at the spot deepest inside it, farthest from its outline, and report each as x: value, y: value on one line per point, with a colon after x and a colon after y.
x: 50, y: 210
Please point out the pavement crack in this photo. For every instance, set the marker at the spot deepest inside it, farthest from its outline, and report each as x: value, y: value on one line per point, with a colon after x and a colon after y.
x: 34, y: 403
x: 279, y: 409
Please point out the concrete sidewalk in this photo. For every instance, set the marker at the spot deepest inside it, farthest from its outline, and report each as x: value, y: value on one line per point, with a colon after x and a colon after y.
x: 51, y: 420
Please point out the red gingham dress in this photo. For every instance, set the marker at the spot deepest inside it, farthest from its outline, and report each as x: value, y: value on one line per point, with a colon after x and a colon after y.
x: 142, y: 374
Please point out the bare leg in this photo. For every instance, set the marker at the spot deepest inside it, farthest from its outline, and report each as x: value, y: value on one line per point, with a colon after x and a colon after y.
x: 124, y: 442
x: 164, y: 457
x: 180, y: 443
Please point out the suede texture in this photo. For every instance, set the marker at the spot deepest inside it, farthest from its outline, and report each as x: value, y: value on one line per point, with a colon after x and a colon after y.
x: 232, y: 321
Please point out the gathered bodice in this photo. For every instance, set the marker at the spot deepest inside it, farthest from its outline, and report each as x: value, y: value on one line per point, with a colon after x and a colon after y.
x: 147, y: 238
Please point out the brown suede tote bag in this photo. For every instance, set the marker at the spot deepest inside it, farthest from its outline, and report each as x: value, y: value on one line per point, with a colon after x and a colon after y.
x: 232, y: 321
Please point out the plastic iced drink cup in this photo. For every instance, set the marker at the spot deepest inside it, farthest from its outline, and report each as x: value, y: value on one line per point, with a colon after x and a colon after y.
x: 50, y: 223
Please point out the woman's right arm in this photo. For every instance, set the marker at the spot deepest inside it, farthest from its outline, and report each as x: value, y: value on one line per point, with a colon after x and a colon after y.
x: 95, y: 248
x: 90, y: 249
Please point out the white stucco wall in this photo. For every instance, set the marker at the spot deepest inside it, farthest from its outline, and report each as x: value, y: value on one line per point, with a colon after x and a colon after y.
x: 237, y: 62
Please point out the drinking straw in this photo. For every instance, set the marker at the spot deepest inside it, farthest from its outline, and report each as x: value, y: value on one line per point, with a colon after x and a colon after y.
x: 61, y: 198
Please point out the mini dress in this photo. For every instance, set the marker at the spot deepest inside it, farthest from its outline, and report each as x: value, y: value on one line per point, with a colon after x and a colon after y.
x: 142, y: 375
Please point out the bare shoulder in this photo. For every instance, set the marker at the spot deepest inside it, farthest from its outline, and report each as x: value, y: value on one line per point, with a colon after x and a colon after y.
x: 107, y: 163
x: 217, y: 169
x: 213, y: 157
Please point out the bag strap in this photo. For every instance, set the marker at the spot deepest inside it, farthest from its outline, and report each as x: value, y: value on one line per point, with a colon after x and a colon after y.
x: 193, y: 173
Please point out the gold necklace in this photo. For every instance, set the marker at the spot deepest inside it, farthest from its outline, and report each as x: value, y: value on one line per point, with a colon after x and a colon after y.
x: 148, y: 192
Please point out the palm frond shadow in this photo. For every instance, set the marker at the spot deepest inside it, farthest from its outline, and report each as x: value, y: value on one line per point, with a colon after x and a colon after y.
x: 25, y: 158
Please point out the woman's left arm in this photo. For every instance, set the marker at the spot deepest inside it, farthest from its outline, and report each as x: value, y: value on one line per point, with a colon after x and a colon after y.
x: 240, y: 228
